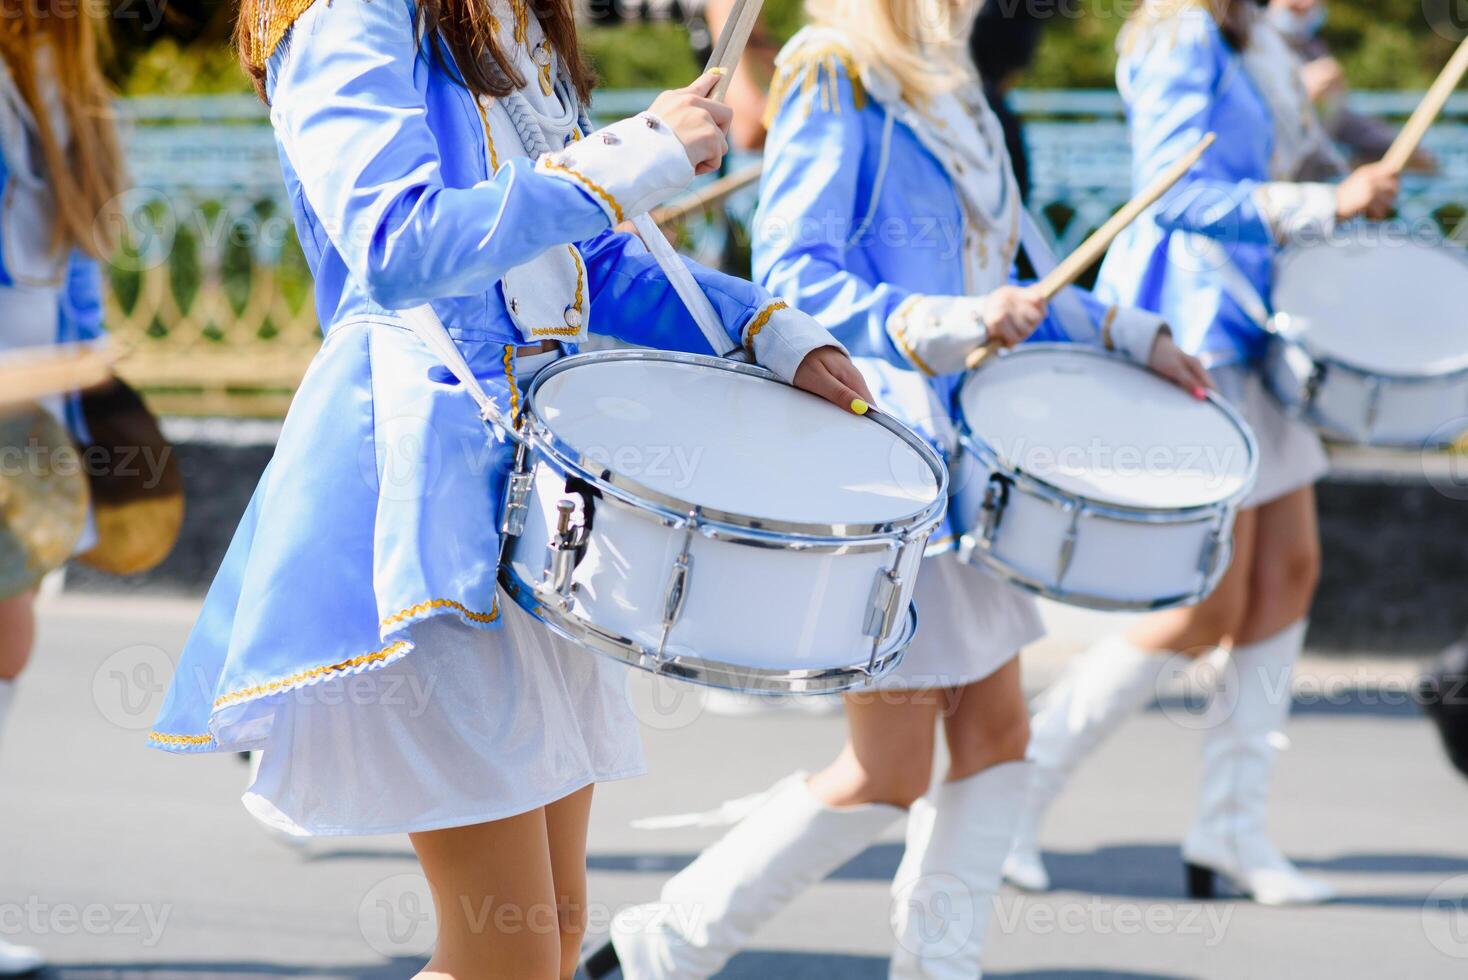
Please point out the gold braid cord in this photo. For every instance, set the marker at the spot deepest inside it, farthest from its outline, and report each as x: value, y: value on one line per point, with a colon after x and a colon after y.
x: 812, y: 67
x: 269, y: 21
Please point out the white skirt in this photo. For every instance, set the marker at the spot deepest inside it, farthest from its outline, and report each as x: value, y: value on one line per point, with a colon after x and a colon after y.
x: 472, y: 726
x: 970, y: 623
x: 1291, y: 455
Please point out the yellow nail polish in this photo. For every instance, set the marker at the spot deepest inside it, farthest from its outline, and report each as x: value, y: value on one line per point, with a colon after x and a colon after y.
x: 716, y: 70
x: 858, y: 406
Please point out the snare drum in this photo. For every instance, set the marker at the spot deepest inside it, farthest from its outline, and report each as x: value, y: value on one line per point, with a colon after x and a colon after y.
x: 1087, y: 479
x: 1370, y: 343
x: 697, y: 518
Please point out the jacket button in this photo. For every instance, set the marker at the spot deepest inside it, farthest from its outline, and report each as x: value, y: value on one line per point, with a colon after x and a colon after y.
x: 610, y: 139
x: 514, y: 305
x: 652, y: 123
x: 573, y: 318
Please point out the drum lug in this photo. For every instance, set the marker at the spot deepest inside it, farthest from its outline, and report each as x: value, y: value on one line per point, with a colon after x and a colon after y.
x: 560, y: 563
x: 1314, y: 383
x: 1209, y: 557
x: 1068, y: 546
x: 517, y: 504
x: 883, y: 609
x: 1373, y: 406
x: 996, y: 498
x: 675, y: 596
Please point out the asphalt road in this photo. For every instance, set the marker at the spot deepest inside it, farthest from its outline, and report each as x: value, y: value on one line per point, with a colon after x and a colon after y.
x: 122, y: 862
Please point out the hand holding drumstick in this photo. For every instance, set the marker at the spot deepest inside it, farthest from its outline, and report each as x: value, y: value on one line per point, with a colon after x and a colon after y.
x: 1019, y: 309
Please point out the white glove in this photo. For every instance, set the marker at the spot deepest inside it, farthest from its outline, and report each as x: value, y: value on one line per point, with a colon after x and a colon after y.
x: 1131, y: 331
x: 628, y: 167
x: 780, y: 336
x: 937, y: 333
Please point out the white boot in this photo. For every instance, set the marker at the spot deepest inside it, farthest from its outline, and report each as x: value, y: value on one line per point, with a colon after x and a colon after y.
x: 1246, y: 716
x: 711, y: 909
x: 1098, y: 691
x: 944, y: 892
x: 15, y: 961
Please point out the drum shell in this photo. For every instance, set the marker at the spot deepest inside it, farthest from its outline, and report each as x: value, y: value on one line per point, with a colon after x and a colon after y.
x: 1118, y: 560
x: 1352, y: 405
x: 1084, y: 552
x: 760, y: 607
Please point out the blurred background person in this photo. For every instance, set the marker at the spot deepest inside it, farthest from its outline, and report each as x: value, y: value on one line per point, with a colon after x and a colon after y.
x: 61, y: 170
x: 1006, y: 36
x: 1365, y: 138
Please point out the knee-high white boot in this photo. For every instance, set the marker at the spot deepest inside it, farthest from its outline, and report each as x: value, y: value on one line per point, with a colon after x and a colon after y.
x: 15, y: 961
x: 1098, y: 691
x: 944, y: 892
x: 711, y: 909
x: 1246, y: 716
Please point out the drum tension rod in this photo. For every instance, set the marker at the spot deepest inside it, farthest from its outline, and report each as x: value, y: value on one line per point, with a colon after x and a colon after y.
x: 560, y: 563
x: 675, y: 596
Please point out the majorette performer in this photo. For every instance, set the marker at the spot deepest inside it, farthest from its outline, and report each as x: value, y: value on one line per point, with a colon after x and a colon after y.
x: 1204, y: 258
x: 439, y: 153
x: 60, y: 169
x: 890, y: 212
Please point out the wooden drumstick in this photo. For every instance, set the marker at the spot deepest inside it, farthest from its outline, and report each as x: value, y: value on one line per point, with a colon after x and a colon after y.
x: 1092, y: 249
x: 729, y: 47
x: 1410, y: 138
x: 706, y: 197
x: 28, y: 375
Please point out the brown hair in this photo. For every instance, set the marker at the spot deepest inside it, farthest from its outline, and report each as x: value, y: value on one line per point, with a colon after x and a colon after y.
x: 86, y: 174
x: 466, y: 27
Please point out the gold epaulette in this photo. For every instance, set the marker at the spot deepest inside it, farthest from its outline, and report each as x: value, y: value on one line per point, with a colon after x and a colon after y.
x: 269, y: 21
x: 813, y: 68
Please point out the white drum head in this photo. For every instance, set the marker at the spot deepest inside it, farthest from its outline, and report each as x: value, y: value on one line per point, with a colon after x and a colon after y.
x: 1387, y: 308
x: 734, y: 442
x: 1096, y: 427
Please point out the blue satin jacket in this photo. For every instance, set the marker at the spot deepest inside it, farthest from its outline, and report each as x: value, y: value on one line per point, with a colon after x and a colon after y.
x: 1185, y: 84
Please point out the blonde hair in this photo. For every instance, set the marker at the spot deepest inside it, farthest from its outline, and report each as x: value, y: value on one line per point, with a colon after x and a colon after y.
x: 1227, y: 14
x: 86, y: 173
x: 922, y: 43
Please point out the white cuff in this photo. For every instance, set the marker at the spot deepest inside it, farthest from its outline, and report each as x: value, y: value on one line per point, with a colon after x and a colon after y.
x: 1296, y: 212
x: 937, y: 333
x: 628, y: 167
x: 1132, y: 331
x: 780, y: 337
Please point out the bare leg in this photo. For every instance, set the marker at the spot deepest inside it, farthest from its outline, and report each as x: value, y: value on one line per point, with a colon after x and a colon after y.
x: 987, y: 723
x: 17, y: 634
x: 888, y: 757
x: 1286, y: 566
x: 567, y: 822
x: 495, y: 895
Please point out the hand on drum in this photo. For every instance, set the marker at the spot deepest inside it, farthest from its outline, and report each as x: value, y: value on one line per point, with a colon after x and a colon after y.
x: 1370, y: 190
x: 1012, y: 313
x: 829, y: 373
x: 700, y: 123
x: 1178, y: 366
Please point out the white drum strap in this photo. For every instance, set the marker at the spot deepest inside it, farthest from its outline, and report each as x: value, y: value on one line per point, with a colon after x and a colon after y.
x: 424, y: 322
x: 1235, y: 284
x: 1069, y: 311
x: 684, y: 284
